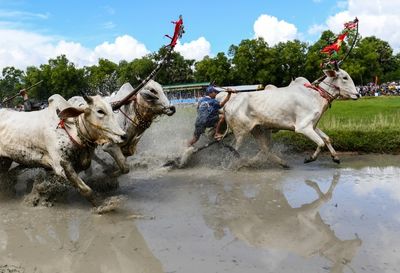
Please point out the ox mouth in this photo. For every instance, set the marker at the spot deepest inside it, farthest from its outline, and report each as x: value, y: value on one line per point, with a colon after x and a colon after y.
x: 355, y: 97
x: 114, y: 139
x: 119, y: 139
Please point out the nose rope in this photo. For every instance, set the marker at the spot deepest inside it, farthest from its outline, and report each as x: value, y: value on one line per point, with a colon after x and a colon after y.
x: 84, y: 139
x: 331, y: 85
x: 141, y: 122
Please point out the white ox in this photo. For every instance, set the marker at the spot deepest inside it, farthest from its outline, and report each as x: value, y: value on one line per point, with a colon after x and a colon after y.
x: 135, y: 117
x: 295, y: 107
x: 38, y: 139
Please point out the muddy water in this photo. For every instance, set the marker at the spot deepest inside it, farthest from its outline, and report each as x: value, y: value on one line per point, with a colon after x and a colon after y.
x: 319, y: 217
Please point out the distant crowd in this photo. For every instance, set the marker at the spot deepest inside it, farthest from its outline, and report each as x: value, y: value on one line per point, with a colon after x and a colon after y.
x: 385, y: 89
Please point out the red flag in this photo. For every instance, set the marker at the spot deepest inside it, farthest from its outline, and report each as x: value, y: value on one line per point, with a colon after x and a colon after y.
x: 352, y: 24
x: 336, y: 45
x: 177, y: 32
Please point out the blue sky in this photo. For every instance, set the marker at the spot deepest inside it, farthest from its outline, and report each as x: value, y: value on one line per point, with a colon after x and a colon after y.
x: 32, y: 31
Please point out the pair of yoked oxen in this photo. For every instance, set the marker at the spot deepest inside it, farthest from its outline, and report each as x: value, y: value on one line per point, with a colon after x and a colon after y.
x: 63, y: 137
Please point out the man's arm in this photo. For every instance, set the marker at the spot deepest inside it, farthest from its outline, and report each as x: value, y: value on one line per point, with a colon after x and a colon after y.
x: 229, y: 91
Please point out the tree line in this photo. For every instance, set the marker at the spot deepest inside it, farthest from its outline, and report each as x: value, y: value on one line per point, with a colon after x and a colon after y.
x: 253, y: 61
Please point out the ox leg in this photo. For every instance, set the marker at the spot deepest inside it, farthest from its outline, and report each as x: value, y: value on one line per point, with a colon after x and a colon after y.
x: 322, y: 197
x: 116, y: 153
x: 328, y: 144
x: 77, y: 182
x: 263, y: 138
x: 312, y: 135
x: 239, y: 136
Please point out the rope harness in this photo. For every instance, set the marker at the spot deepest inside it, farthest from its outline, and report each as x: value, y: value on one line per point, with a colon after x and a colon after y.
x: 322, y: 92
x: 61, y: 125
x: 86, y: 141
x: 138, y: 120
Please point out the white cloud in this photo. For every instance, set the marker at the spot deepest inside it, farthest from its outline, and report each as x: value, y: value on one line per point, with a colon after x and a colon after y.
x: 388, y: 185
x: 22, y: 15
x: 124, y: 48
x: 274, y: 31
x: 75, y: 53
x: 316, y: 29
x: 377, y: 18
x: 21, y: 49
x: 196, y: 49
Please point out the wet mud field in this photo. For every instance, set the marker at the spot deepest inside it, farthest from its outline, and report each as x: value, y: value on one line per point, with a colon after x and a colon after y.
x: 318, y: 217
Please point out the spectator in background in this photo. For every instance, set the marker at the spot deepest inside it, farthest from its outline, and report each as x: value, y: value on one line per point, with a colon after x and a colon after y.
x: 28, y: 104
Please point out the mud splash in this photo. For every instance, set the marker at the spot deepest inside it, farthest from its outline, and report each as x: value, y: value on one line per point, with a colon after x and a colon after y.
x: 319, y: 217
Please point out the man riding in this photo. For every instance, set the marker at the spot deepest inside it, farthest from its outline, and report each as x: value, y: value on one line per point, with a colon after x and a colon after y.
x: 208, y: 115
x: 28, y: 104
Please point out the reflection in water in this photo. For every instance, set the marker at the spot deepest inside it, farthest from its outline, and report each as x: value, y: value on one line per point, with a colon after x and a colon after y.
x: 267, y: 220
x: 72, y: 241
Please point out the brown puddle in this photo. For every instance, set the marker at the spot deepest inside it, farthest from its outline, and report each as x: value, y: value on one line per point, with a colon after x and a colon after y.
x: 319, y: 217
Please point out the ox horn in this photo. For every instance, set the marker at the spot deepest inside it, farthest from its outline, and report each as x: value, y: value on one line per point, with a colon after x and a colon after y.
x: 88, y: 99
x: 336, y: 66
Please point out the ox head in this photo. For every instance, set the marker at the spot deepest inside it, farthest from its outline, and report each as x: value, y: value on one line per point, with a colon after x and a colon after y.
x: 152, y: 96
x: 342, y: 82
x: 98, y: 119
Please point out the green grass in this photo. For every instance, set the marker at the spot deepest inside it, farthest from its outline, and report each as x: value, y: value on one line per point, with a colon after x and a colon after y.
x: 367, y: 125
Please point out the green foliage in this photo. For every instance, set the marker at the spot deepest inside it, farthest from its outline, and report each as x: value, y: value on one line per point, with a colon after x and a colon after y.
x: 177, y: 70
x: 252, y: 61
x: 101, y: 78
x: 314, y: 57
x: 290, y: 58
x: 59, y: 77
x: 380, y: 141
x: 135, y: 71
x: 11, y: 81
x: 372, y: 57
x: 213, y: 69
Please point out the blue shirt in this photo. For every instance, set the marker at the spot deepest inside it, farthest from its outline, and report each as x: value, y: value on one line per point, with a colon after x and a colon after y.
x: 208, y: 109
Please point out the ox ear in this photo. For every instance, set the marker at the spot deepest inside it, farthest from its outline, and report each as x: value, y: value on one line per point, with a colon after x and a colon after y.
x: 330, y: 73
x: 69, y: 112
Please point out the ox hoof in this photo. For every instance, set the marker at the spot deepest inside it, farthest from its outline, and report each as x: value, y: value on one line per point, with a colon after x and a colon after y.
x: 125, y: 170
x: 309, y: 159
x: 115, y: 172
x: 284, y: 165
x: 173, y: 163
x: 336, y: 159
x: 94, y: 199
